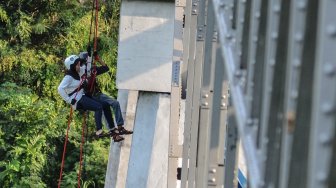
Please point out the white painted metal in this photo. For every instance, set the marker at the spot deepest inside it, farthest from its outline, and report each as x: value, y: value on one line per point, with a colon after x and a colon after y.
x: 245, y: 132
x: 281, y: 50
x: 324, y: 100
x: 189, y: 41
x: 175, y: 149
x: 272, y: 33
x: 298, y: 13
x: 206, y: 101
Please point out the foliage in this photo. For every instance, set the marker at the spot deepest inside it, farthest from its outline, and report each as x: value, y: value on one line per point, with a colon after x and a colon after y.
x: 35, y: 38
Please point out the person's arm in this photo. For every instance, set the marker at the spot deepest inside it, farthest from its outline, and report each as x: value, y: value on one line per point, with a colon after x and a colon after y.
x: 97, y: 58
x: 61, y: 88
x: 103, y: 68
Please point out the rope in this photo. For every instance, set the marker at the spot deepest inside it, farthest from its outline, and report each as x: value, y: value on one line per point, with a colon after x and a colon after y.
x: 86, y: 138
x: 64, y: 147
x: 81, y: 149
x: 96, y: 28
x: 93, y: 77
x: 67, y: 135
x: 71, y: 109
x: 93, y: 5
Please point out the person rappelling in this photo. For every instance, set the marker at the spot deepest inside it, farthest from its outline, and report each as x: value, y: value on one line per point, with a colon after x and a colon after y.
x: 72, y: 89
x: 96, y: 92
x: 80, y: 89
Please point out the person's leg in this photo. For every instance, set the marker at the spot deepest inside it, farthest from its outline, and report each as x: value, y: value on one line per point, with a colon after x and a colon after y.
x: 107, y: 113
x: 108, y: 119
x: 108, y: 116
x: 115, y: 106
x: 117, y: 112
x: 87, y: 103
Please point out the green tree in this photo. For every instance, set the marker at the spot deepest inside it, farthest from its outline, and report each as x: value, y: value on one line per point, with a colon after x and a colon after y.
x: 35, y: 38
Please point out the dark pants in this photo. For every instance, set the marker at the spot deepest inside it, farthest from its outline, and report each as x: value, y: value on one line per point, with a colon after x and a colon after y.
x: 87, y: 103
x: 115, y: 106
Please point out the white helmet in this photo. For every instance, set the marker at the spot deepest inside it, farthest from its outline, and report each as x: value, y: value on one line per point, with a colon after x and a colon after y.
x: 70, y: 60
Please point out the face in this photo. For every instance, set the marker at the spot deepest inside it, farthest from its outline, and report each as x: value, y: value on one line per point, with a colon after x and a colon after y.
x: 78, y: 67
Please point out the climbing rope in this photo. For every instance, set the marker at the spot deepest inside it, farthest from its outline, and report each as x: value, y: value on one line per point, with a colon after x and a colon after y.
x: 81, y: 149
x: 86, y: 138
x: 64, y: 148
x: 66, y: 137
x: 92, y: 77
x: 91, y: 22
x: 91, y: 90
x: 96, y: 28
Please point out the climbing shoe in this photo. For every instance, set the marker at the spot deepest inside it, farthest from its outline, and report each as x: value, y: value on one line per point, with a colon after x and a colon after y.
x: 100, y: 134
x: 123, y: 131
x: 115, y: 135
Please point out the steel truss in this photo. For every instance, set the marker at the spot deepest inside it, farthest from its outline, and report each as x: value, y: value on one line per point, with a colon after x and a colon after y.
x: 262, y: 72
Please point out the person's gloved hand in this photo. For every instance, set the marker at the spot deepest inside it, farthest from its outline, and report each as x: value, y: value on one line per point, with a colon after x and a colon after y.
x: 88, y: 49
x: 73, y: 101
x: 84, y: 84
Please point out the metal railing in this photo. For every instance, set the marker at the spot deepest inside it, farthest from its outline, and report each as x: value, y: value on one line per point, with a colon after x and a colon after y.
x: 266, y: 68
